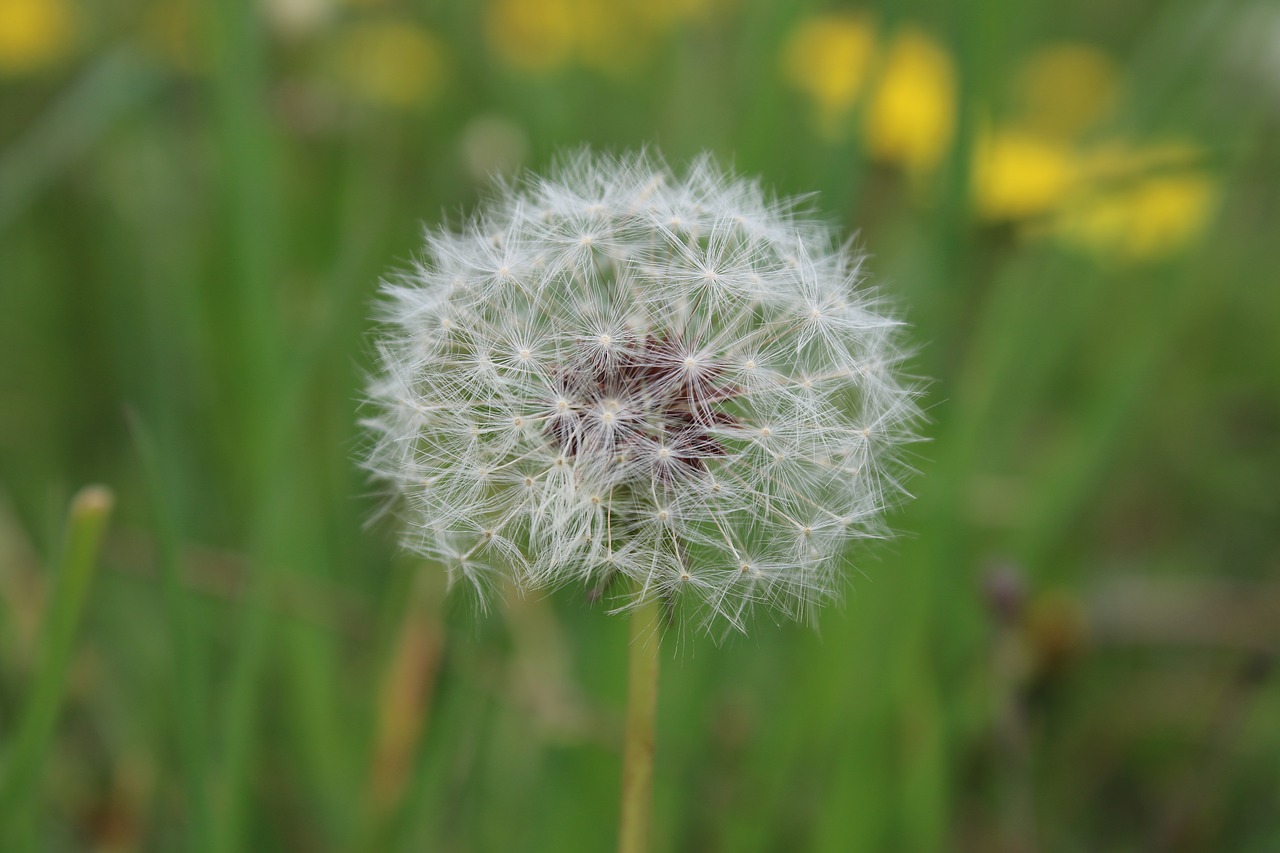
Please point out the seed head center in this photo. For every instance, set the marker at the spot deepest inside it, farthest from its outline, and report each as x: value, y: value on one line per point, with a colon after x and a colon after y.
x: 641, y: 403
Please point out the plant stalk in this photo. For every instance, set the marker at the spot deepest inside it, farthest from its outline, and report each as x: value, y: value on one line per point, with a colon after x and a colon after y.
x: 29, y: 742
x: 642, y: 702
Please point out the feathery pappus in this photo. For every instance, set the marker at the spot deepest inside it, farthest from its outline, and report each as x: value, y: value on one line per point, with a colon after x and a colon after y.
x: 665, y: 385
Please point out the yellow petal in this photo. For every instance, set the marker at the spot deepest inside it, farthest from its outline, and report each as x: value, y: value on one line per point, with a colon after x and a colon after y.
x: 911, y: 115
x: 537, y: 35
x: 1019, y: 174
x: 1149, y: 219
x: 828, y: 59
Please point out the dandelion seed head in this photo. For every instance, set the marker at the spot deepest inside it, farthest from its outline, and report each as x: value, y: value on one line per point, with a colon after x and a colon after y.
x: 615, y: 372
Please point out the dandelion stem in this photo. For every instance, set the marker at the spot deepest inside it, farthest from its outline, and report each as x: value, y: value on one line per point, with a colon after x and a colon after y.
x: 642, y: 701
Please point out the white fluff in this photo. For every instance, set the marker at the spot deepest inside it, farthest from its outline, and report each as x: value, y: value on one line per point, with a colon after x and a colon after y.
x: 613, y: 374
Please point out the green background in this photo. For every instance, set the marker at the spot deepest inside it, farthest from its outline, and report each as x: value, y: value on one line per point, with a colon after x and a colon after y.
x: 1068, y: 646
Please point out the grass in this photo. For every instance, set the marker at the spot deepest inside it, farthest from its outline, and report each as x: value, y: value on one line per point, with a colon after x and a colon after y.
x: 188, y: 256
x: 29, y: 747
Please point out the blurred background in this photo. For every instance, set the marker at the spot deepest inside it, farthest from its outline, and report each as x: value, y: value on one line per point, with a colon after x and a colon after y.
x: 1069, y: 646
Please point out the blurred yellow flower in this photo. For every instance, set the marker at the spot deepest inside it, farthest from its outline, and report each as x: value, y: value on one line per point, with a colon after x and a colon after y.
x: 1019, y: 174
x: 1119, y: 160
x: 1065, y: 89
x: 390, y: 62
x: 1139, y: 203
x: 911, y: 114
x: 33, y: 33
x: 829, y: 59
x: 537, y: 35
x: 609, y: 35
x: 1150, y: 219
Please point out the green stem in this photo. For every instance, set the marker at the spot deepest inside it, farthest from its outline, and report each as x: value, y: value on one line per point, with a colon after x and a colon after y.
x: 642, y: 702
x: 246, y: 146
x: 189, y: 693
x: 86, y: 522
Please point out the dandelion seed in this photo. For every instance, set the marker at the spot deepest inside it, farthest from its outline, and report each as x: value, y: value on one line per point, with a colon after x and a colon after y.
x: 686, y: 369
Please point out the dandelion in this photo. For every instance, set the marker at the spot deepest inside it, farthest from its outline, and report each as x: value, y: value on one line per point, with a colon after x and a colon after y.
x: 1143, y: 203
x: 612, y: 36
x: 538, y: 35
x: 613, y: 374
x: 1019, y: 174
x: 911, y: 113
x: 1049, y: 175
x: 1118, y: 201
x: 675, y: 389
x: 829, y: 59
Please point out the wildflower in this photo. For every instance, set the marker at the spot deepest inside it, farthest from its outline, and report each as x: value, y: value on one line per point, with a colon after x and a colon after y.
x: 1143, y: 218
x: 829, y: 59
x: 537, y: 35
x: 1117, y: 200
x: 1018, y: 174
x: 607, y: 35
x: 615, y: 374
x: 33, y: 34
x: 912, y: 109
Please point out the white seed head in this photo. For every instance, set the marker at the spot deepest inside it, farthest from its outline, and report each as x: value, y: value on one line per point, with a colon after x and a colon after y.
x: 686, y: 363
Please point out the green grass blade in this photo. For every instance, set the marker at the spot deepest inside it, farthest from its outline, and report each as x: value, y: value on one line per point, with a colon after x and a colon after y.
x: 86, y: 521
x: 245, y: 144
x: 189, y: 676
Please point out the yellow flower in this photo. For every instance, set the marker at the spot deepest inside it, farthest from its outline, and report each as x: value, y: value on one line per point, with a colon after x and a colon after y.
x: 1118, y: 160
x: 829, y: 58
x: 393, y: 63
x: 1018, y: 174
x: 609, y: 35
x: 33, y: 34
x: 911, y: 114
x: 1141, y: 203
x: 537, y: 35
x: 1119, y: 201
x: 1065, y: 89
